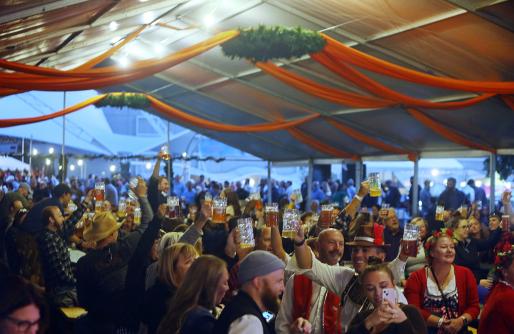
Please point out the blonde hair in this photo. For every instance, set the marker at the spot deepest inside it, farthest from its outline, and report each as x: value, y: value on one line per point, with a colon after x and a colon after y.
x: 166, y: 266
x: 203, y: 279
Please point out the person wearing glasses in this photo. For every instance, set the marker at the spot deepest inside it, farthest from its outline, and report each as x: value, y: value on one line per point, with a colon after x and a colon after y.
x: 466, y: 248
x: 22, y: 309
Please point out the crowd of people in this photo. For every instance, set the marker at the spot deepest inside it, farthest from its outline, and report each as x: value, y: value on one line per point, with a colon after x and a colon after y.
x: 144, y: 256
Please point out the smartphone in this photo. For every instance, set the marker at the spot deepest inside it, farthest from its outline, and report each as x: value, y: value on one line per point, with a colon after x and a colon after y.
x: 391, y: 295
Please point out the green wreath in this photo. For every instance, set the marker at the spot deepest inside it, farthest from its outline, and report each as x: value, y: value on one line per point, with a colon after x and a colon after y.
x: 131, y: 100
x: 265, y: 43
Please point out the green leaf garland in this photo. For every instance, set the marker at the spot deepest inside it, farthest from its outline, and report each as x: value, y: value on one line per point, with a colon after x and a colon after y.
x: 131, y: 100
x: 266, y: 43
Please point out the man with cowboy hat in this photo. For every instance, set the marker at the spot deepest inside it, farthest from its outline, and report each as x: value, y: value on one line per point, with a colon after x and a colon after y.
x: 368, y: 243
x: 101, y: 272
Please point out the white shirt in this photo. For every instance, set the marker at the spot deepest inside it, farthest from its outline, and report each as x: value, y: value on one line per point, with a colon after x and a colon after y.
x: 247, y: 324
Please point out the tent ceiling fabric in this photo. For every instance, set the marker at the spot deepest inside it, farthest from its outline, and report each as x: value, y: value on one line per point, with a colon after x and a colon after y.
x: 463, y: 39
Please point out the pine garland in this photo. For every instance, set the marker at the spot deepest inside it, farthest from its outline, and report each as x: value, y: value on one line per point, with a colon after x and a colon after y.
x: 266, y: 43
x: 121, y: 100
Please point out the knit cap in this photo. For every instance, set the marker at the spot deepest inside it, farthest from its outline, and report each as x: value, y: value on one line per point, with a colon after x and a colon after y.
x: 258, y: 263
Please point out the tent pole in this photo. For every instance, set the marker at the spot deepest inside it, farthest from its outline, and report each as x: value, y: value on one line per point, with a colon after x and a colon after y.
x: 309, y: 186
x: 269, y: 183
x: 23, y: 149
x: 358, y: 173
x: 492, y: 172
x: 171, y: 159
x: 30, y: 156
x: 415, y: 194
x: 63, y: 170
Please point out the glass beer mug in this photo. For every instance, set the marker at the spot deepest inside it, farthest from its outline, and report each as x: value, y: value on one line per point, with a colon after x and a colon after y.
x: 219, y: 208
x: 291, y: 223
x: 271, y: 211
x: 375, y: 189
x: 245, y: 227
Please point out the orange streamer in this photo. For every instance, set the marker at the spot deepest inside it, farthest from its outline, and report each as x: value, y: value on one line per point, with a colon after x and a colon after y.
x: 141, y: 69
x: 363, y: 138
x: 322, y: 147
x: 323, y: 91
x: 449, y: 134
x: 509, y: 100
x: 29, y: 120
x: 206, y: 124
x: 350, y: 55
x: 361, y: 80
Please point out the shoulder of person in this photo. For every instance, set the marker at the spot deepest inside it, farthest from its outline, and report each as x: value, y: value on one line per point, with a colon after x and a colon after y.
x: 247, y: 324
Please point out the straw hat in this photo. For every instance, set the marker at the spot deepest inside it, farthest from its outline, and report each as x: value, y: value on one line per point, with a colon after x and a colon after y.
x: 103, y: 225
x: 369, y: 234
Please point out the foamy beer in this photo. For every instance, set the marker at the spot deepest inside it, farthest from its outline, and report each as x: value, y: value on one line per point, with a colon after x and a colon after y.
x: 173, y: 205
x: 505, y: 224
x: 122, y: 209
x: 207, y: 202
x: 463, y: 210
x: 325, y: 218
x: 384, y: 211
x: 245, y: 227
x: 165, y: 152
x: 271, y: 211
x: 99, y: 191
x: 219, y: 207
x: 439, y: 213
x: 257, y: 198
x: 290, y: 223
x: 410, y: 240
x: 374, y: 185
x: 99, y: 206
x: 137, y: 216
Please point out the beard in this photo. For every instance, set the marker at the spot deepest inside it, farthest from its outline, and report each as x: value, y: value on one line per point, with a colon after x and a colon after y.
x: 270, y: 300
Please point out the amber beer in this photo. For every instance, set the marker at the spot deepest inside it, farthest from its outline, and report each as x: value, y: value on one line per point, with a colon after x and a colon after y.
x: 137, y: 216
x: 271, y: 215
x: 173, y: 206
x: 325, y: 218
x: 207, y: 202
x: 374, y: 185
x: 439, y: 213
x: 410, y: 240
x: 384, y: 211
x: 165, y: 153
x: 99, y: 191
x: 257, y: 198
x: 219, y: 210
x: 122, y: 209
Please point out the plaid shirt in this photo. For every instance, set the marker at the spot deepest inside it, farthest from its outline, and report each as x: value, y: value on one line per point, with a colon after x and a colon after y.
x: 54, y: 255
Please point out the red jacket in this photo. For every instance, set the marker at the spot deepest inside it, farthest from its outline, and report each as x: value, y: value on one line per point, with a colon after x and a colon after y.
x: 498, y: 311
x: 466, y: 287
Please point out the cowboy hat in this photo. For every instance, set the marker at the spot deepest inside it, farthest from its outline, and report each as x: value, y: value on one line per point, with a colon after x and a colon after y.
x: 104, y: 224
x: 369, y: 234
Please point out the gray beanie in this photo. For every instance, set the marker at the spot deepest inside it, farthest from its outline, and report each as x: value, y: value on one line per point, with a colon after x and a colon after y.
x: 258, y: 263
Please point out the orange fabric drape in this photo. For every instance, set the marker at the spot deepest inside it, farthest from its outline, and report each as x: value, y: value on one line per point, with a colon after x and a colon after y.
x: 361, y: 80
x: 322, y: 91
x: 322, y: 147
x: 445, y: 132
x: 171, y: 112
x: 4, y: 123
x: 509, y: 100
x: 101, y: 77
x: 360, y: 59
x: 206, y: 124
x: 363, y: 138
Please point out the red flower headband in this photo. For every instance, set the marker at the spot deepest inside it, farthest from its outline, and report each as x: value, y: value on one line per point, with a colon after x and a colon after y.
x: 444, y: 232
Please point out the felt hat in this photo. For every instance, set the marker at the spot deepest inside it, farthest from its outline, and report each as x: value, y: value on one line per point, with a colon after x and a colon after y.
x: 104, y: 224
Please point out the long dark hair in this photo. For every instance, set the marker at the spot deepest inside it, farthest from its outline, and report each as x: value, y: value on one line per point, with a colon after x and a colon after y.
x: 198, y: 289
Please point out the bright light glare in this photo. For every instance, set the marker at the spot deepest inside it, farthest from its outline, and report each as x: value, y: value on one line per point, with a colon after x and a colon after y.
x: 113, y: 25
x: 72, y: 167
x: 80, y: 162
x: 112, y: 168
x: 209, y: 21
x: 47, y: 162
x: 34, y: 151
x: 252, y: 182
x: 148, y: 165
x: 445, y: 182
x: 184, y: 154
x: 60, y: 167
x: 434, y: 172
x: 463, y: 184
x: 478, y: 183
x: 124, y: 61
x: 159, y: 49
x: 431, y: 183
x: 115, y: 40
x: 148, y: 17
x: 51, y: 150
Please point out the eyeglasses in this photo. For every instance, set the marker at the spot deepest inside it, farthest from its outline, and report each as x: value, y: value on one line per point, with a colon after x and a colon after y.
x: 466, y: 227
x: 23, y: 325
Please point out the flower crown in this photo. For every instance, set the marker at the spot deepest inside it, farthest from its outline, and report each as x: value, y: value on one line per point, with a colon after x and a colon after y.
x: 503, y: 257
x: 444, y: 232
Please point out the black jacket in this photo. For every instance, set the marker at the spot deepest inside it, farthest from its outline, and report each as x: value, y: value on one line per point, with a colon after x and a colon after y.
x: 241, y: 305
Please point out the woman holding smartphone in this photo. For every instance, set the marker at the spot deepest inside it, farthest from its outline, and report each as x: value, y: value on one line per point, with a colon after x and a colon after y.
x: 446, y: 293
x: 387, y: 316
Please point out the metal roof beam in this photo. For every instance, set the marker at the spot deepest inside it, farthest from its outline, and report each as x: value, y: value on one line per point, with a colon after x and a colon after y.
x: 474, y: 7
x: 38, y: 10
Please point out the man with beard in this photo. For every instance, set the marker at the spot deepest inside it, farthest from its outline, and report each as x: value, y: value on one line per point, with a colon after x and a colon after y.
x: 305, y: 298
x: 343, y: 281
x: 261, y: 275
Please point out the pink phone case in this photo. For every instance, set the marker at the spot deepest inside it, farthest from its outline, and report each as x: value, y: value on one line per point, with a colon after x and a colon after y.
x: 390, y: 294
